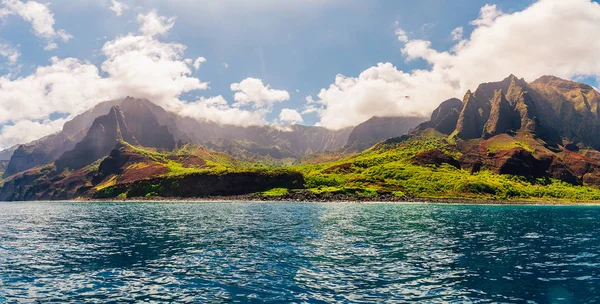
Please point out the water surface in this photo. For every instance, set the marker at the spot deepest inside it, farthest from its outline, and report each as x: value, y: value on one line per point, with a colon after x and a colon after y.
x: 298, y: 252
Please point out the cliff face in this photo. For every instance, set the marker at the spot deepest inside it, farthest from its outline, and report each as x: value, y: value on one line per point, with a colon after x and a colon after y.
x: 50, y: 148
x: 503, y: 117
x: 574, y: 108
x: 204, y: 185
x: 145, y: 126
x: 101, y: 138
x: 445, y: 117
x: 153, y: 126
x: 377, y: 129
x: 550, y: 108
x: 473, y: 116
x: 536, y: 130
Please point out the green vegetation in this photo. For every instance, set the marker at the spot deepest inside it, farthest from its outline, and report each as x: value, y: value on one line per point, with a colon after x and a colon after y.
x: 506, y: 143
x: 387, y: 168
x: 275, y: 192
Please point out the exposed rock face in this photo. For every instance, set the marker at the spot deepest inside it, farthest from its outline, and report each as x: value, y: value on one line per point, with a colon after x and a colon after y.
x: 549, y: 108
x: 377, y: 129
x: 3, y: 164
x: 50, y: 148
x: 203, y: 185
x: 101, y: 138
x: 6, y: 154
x: 503, y: 117
x: 30, y: 185
x: 445, y: 117
x: 518, y: 161
x: 296, y: 141
x: 573, y: 107
x: 142, y: 122
x: 472, y: 118
x: 115, y: 162
x: 435, y: 157
x: 21, y: 160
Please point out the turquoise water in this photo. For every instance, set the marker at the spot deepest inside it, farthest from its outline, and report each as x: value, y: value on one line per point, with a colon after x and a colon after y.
x: 288, y: 252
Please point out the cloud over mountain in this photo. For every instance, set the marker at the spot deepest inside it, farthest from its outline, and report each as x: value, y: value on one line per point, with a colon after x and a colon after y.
x: 137, y: 65
x: 549, y: 37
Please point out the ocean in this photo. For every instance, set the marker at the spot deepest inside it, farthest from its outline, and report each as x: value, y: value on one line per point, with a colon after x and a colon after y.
x: 215, y: 252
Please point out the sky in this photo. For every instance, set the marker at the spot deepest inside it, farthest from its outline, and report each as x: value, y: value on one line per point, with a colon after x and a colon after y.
x: 330, y: 63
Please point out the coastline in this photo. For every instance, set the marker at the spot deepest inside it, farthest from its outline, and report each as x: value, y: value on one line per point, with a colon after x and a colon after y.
x: 309, y: 197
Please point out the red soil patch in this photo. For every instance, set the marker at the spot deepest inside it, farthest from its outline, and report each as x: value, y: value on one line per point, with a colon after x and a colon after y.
x: 141, y: 171
x: 435, y: 157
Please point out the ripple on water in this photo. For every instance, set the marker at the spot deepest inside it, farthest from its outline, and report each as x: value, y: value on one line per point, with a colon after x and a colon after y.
x: 220, y: 252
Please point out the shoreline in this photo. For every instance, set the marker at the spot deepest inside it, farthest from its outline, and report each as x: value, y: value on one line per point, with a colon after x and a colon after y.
x: 309, y: 197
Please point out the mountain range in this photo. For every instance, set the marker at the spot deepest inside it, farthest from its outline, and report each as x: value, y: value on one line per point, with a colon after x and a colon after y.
x: 505, y: 139
x: 254, y: 142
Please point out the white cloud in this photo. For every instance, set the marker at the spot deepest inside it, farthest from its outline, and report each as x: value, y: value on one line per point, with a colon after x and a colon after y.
x: 199, y: 61
x: 152, y: 24
x: 140, y: 66
x: 457, y: 34
x: 487, y: 15
x: 65, y: 86
x: 118, y: 7
x: 40, y: 17
x: 379, y: 91
x: 144, y: 67
x: 401, y: 34
x: 217, y: 109
x: 549, y: 37
x: 290, y: 116
x: 225, y: 65
x: 252, y: 91
x: 27, y: 131
x: 10, y: 53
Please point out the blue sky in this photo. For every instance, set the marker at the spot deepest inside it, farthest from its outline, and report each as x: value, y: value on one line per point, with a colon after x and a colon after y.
x: 293, y: 46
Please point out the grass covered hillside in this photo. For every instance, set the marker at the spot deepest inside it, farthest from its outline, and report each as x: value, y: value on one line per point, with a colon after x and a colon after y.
x: 135, y: 171
x: 429, y: 165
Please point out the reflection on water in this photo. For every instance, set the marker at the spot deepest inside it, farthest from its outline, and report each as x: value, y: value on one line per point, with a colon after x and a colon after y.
x: 222, y: 252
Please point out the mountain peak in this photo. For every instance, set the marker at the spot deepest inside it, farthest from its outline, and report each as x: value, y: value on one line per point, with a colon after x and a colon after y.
x: 511, y: 77
x: 101, y: 138
x: 560, y: 83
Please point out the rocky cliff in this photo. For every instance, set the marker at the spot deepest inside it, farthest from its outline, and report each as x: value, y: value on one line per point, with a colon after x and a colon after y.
x: 530, y: 129
x: 101, y: 138
x: 377, y: 129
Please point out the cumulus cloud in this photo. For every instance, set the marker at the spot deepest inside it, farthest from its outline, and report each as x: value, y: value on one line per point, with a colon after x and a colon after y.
x: 199, y: 61
x: 140, y: 66
x: 144, y: 67
x: 217, y: 109
x: 9, y: 53
x: 401, y: 34
x: 290, y: 116
x: 548, y: 37
x: 118, y: 7
x: 457, y: 34
x: 65, y: 86
x: 152, y: 24
x: 135, y: 65
x: 487, y: 15
x: 28, y: 130
x: 252, y: 91
x: 40, y: 17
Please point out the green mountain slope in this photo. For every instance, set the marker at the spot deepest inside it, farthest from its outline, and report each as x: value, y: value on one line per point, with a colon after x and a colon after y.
x: 429, y: 165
